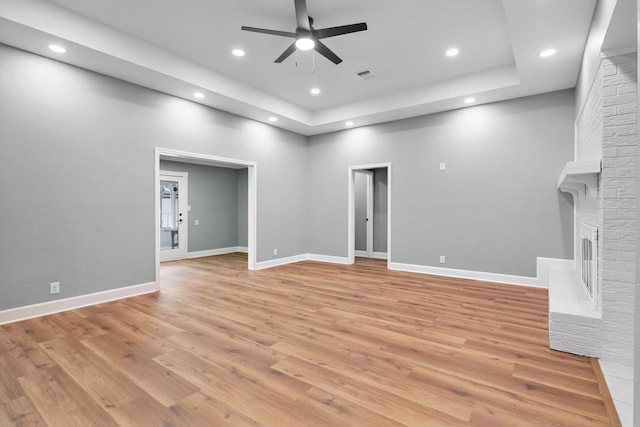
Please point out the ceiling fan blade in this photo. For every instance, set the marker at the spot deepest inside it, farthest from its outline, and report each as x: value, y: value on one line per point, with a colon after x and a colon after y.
x: 327, y: 53
x: 272, y: 32
x: 338, y: 31
x: 286, y: 53
x: 302, y: 15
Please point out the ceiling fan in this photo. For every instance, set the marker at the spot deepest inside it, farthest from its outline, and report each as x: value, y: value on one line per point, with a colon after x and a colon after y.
x: 306, y: 37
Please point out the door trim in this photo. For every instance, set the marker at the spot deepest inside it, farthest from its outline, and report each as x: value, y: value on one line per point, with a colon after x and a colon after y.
x: 206, y: 159
x: 351, y: 182
x: 183, y: 202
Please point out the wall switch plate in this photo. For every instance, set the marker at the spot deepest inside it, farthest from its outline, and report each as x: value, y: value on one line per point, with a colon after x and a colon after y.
x: 443, y: 166
x: 54, y: 288
x: 275, y: 251
x: 197, y: 221
x: 441, y: 259
x: 189, y: 208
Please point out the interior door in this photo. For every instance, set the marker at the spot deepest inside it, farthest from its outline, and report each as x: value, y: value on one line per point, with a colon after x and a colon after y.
x: 369, y: 247
x: 173, y: 215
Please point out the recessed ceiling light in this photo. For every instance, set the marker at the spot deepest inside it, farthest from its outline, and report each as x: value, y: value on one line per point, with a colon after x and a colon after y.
x: 348, y: 123
x: 547, y: 53
x: 237, y: 52
x: 57, y: 48
x: 198, y: 95
x: 273, y: 119
x: 305, y: 43
x: 452, y: 52
x: 469, y: 100
x: 315, y: 91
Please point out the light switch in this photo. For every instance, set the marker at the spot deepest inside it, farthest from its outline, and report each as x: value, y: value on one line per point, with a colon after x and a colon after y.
x: 443, y: 166
x: 197, y: 221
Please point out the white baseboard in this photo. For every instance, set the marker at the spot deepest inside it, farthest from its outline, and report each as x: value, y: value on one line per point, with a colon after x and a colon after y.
x: 280, y: 261
x: 50, y: 307
x: 327, y: 258
x: 302, y: 257
x: 219, y: 251
x: 466, y: 274
x: 376, y: 255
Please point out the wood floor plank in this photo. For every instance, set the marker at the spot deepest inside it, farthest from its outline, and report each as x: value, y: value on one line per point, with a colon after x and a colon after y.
x: 306, y: 344
x: 99, y: 379
x: 61, y: 401
x: 20, y: 412
x: 202, y: 410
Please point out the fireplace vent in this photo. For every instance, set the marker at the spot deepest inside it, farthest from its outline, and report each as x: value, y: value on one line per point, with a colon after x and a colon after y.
x: 588, y: 267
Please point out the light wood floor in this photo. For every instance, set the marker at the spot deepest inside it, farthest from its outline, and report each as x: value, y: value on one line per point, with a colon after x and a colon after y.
x: 308, y: 344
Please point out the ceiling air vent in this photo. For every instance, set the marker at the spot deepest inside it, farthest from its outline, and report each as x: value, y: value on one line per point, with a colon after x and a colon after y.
x: 366, y: 74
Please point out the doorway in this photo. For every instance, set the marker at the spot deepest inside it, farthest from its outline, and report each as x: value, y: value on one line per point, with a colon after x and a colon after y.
x: 363, y: 213
x: 173, y: 215
x: 369, y: 211
x: 205, y: 159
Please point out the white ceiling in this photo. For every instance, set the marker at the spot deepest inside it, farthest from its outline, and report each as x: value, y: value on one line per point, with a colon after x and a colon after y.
x: 180, y: 46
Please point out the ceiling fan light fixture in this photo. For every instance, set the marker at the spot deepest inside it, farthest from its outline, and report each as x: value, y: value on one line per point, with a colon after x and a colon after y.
x: 305, y: 43
x: 315, y: 91
x: 238, y: 52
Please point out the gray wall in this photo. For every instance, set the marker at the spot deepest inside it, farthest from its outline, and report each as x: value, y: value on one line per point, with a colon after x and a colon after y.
x: 498, y: 192
x: 242, y: 207
x: 214, y: 197
x: 76, y: 144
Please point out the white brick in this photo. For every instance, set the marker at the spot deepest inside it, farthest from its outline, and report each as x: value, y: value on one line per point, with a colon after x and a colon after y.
x: 627, y: 214
x: 613, y: 139
x: 618, y: 79
x: 609, y: 70
x: 625, y: 255
x: 614, y: 203
x: 619, y: 120
x: 627, y: 151
x: 627, y: 192
x: 618, y: 100
x: 629, y: 87
x: 618, y: 162
x: 626, y: 108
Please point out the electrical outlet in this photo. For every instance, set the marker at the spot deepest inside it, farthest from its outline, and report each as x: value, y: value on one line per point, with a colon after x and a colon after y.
x: 441, y: 259
x: 54, y: 288
x: 197, y: 221
x: 275, y: 251
x: 443, y: 166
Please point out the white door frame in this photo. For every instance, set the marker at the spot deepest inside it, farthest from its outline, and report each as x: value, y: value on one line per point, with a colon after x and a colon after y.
x: 351, y: 179
x: 206, y: 159
x: 182, y: 178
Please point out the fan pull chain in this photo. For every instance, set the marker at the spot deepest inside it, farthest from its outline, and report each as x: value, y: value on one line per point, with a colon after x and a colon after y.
x: 313, y: 56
